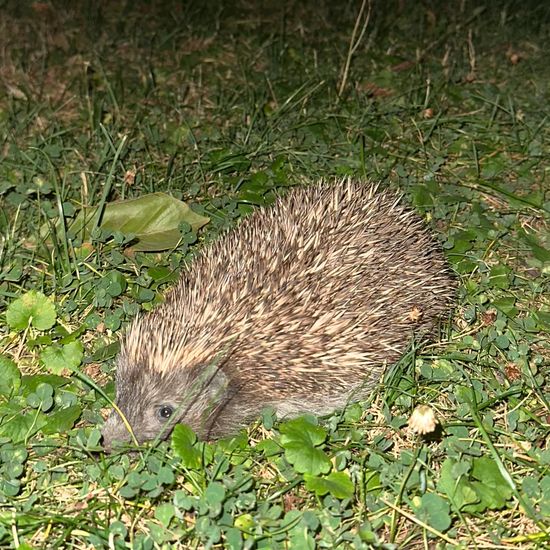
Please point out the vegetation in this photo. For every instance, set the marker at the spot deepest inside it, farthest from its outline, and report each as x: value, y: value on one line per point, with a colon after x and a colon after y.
x: 221, y: 105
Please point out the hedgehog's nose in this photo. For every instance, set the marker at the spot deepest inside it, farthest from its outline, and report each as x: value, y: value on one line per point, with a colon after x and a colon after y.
x: 107, y: 445
x: 111, y: 444
x: 114, y: 433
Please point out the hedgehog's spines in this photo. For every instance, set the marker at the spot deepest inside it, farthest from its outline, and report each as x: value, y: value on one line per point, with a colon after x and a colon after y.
x: 361, y: 203
x: 304, y: 300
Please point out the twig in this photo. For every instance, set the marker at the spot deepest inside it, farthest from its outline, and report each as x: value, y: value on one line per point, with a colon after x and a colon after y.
x: 354, y: 43
x: 420, y: 523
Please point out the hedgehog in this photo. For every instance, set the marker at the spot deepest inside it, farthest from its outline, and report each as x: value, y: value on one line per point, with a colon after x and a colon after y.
x: 299, y: 308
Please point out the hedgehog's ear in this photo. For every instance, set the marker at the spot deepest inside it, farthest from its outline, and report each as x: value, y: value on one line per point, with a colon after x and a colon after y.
x: 219, y: 384
x: 212, y: 380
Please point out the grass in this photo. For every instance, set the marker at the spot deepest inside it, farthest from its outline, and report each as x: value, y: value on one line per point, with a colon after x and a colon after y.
x: 221, y: 104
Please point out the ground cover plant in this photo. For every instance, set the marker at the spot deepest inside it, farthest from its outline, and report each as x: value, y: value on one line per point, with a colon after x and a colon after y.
x: 111, y: 113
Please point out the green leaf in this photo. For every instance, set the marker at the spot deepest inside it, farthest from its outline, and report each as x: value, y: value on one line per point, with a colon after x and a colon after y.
x: 300, y: 538
x: 506, y: 304
x: 493, y: 166
x: 62, y: 420
x: 57, y: 358
x: 462, y: 241
x: 106, y: 352
x: 421, y: 196
x: 29, y: 384
x: 372, y: 484
x: 157, y: 533
x: 93, y: 438
x: 165, y: 475
x: 543, y: 320
x: 539, y: 252
x: 499, y: 276
x: 269, y: 447
x: 185, y: 445
x: 19, y: 426
x: 42, y: 398
x: 492, y: 489
x: 161, y: 274
x: 233, y: 538
x: 545, y: 493
x: 114, y: 283
x: 33, y: 308
x: 153, y: 219
x: 164, y: 513
x: 432, y: 510
x: 226, y: 161
x: 215, y: 493
x: 118, y: 528
x: 338, y: 484
x: 454, y: 483
x: 244, y: 522
x: 300, y: 439
x: 302, y: 429
x: 10, y: 488
x: 13, y: 453
x: 306, y: 458
x: 10, y: 377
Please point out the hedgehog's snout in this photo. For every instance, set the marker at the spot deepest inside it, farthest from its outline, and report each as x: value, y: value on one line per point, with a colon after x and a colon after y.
x: 114, y: 433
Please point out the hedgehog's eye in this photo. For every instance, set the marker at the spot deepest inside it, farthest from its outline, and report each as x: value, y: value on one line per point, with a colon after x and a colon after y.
x: 165, y: 412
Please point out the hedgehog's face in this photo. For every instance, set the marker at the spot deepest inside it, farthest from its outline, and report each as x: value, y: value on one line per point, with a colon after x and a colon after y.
x: 153, y: 404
